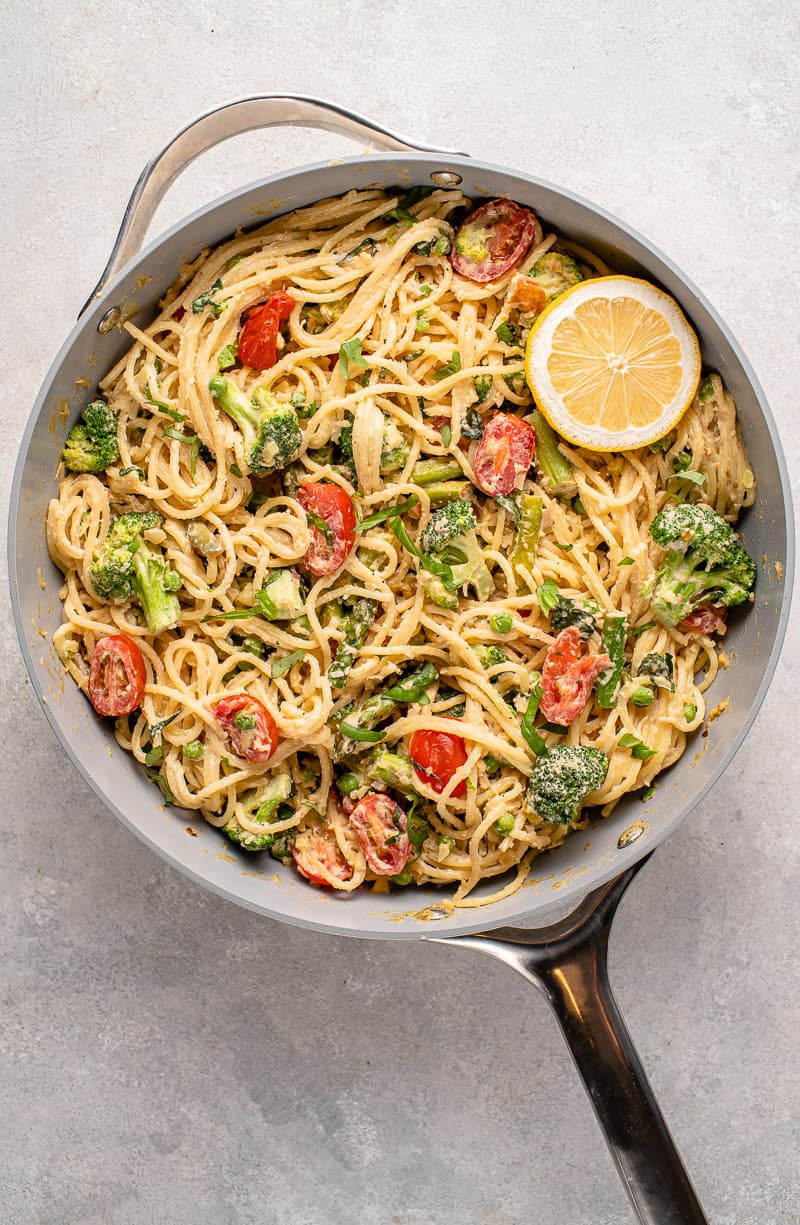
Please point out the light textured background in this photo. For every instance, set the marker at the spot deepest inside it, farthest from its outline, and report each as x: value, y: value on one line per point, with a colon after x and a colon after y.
x: 168, y: 1059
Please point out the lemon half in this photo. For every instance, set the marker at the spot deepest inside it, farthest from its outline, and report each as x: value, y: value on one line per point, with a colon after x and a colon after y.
x: 613, y: 363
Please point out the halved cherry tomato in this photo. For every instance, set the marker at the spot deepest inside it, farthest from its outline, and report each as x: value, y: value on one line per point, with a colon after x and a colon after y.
x: 320, y: 849
x: 381, y: 828
x: 333, y: 506
x: 567, y: 678
x: 707, y: 619
x: 493, y: 240
x: 258, y: 339
x: 528, y: 295
x: 436, y: 756
x: 248, y: 726
x: 504, y: 454
x: 117, y: 675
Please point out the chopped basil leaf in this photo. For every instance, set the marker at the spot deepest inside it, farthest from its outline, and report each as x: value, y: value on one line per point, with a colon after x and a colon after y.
x: 193, y: 443
x: 133, y: 468
x: 510, y: 505
x: 625, y: 561
x: 325, y: 530
x: 547, y: 594
x: 388, y: 512
x: 508, y: 334
x: 280, y: 666
x: 483, y: 385
x: 362, y: 246
x: 161, y: 782
x: 156, y: 729
x: 350, y: 355
x: 452, y: 367
x: 447, y: 435
x: 206, y: 302
x: 360, y: 733
x: 162, y: 406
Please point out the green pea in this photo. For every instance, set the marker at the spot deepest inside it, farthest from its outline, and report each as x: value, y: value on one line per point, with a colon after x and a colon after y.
x: 689, y: 712
x: 403, y: 878
x: 349, y: 783
x: 193, y: 750
x: 504, y: 825
x: 501, y: 623
x: 448, y: 842
x: 643, y: 696
x: 245, y: 722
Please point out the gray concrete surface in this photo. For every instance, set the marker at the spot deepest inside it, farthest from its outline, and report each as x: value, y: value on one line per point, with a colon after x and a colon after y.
x: 168, y: 1059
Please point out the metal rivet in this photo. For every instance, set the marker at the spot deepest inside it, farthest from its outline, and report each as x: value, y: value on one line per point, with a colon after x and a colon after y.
x: 109, y: 320
x: 630, y: 835
x: 446, y: 178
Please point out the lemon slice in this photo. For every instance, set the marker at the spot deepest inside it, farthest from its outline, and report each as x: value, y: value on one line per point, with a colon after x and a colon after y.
x: 612, y: 363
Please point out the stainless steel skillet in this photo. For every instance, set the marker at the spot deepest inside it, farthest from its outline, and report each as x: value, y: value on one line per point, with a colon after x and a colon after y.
x: 566, y: 960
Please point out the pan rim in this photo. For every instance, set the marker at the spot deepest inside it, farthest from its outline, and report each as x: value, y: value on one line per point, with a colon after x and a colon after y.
x: 463, y: 922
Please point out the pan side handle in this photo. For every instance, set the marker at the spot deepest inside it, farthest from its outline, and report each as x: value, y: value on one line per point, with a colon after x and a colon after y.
x: 568, y: 963
x: 215, y: 126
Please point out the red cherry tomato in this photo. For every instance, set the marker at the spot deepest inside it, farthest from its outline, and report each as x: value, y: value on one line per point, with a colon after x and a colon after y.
x: 567, y: 677
x: 258, y: 339
x: 504, y: 454
x: 381, y: 828
x: 334, y: 507
x: 493, y: 240
x: 248, y: 726
x: 117, y: 675
x: 436, y: 756
x: 707, y: 619
x: 315, y: 850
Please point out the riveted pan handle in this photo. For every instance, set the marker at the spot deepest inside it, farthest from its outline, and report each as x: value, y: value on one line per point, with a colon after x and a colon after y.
x: 231, y: 119
x: 568, y: 963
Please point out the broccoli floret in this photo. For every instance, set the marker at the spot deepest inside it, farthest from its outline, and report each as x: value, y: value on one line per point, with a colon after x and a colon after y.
x: 394, y: 449
x: 392, y: 769
x: 345, y: 447
x: 704, y: 562
x: 264, y: 808
x: 271, y: 431
x: 445, y: 524
x: 490, y: 656
x: 450, y: 537
x: 569, y: 612
x: 91, y: 444
x: 555, y: 273
x: 283, y: 596
x: 127, y: 565
x: 561, y: 779
x: 661, y: 668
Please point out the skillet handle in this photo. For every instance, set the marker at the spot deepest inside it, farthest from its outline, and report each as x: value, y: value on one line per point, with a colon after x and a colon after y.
x: 232, y: 119
x: 568, y: 963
